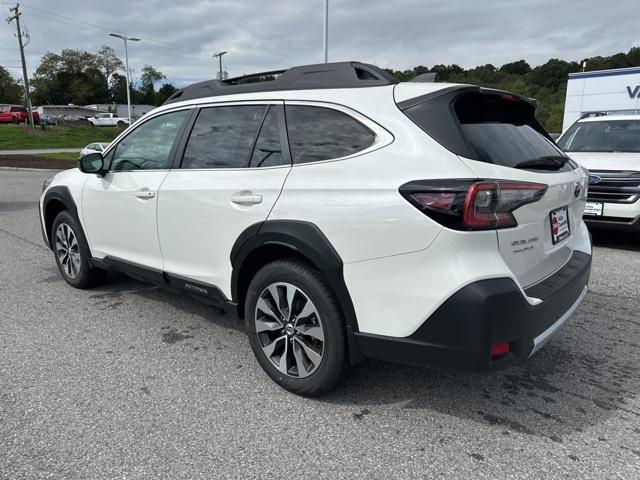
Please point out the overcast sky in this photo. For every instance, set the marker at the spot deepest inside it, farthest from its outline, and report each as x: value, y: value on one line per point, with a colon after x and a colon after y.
x: 178, y: 37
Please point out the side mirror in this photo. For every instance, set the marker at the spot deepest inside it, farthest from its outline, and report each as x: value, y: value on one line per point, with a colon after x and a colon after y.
x: 92, y: 163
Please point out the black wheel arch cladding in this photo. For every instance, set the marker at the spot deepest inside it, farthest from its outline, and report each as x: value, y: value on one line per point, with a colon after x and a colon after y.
x: 56, y: 196
x: 303, y: 239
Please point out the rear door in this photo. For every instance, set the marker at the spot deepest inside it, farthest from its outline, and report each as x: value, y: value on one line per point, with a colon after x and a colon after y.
x: 234, y: 164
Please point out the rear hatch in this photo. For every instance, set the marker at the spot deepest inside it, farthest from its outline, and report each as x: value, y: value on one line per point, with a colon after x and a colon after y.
x: 497, y: 136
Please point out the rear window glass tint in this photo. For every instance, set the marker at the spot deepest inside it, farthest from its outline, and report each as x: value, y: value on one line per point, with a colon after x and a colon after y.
x: 222, y: 137
x: 268, y: 151
x: 498, y: 129
x: 317, y: 133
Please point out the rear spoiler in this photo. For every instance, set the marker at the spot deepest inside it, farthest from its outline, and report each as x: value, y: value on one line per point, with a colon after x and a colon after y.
x: 461, y: 89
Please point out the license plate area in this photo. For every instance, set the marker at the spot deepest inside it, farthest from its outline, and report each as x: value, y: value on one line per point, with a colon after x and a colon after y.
x: 559, y: 223
x: 593, y: 209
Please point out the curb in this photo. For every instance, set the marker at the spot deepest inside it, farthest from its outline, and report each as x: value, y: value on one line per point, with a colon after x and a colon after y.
x: 25, y: 169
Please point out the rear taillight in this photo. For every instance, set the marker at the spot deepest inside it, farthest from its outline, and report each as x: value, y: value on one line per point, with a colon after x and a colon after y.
x: 472, y: 204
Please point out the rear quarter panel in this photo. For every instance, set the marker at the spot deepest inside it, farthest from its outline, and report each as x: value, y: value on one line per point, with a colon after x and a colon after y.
x: 356, y: 202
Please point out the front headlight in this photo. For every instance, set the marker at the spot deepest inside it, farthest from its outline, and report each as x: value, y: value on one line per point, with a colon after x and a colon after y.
x: 585, y: 184
x: 47, y: 182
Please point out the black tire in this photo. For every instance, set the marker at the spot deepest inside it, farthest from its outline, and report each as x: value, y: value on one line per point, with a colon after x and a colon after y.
x: 122, y: 125
x: 85, y: 275
x: 334, y: 366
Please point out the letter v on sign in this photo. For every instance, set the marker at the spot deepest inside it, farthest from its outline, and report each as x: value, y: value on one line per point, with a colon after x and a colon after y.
x: 633, y: 93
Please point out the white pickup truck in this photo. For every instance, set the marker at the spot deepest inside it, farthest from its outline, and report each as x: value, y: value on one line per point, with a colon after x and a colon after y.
x: 108, y: 120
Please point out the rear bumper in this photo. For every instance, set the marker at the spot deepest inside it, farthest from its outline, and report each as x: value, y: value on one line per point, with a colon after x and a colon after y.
x: 462, y: 330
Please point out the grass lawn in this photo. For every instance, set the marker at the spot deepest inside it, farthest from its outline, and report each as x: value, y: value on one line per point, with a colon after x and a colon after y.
x: 18, y: 137
x: 70, y: 156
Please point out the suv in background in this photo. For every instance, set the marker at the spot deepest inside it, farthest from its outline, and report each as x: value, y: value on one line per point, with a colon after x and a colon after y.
x: 343, y: 215
x: 16, y: 114
x: 609, y: 146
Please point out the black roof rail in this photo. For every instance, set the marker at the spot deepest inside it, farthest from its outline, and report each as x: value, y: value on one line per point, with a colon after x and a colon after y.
x: 306, y: 77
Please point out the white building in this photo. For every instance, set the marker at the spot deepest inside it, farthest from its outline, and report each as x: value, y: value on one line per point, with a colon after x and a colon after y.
x: 610, y: 91
x: 120, y: 109
x: 59, y: 110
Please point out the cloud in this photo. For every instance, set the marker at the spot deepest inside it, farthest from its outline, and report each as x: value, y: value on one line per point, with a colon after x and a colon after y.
x: 179, y: 37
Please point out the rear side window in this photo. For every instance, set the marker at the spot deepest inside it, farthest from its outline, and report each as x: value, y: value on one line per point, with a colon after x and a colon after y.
x: 223, y: 137
x: 18, y: 109
x: 493, y: 128
x: 268, y: 150
x: 317, y: 133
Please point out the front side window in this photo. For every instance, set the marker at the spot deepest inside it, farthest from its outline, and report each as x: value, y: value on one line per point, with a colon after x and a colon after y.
x: 148, y: 146
x: 317, y: 133
x: 602, y: 136
x: 223, y: 137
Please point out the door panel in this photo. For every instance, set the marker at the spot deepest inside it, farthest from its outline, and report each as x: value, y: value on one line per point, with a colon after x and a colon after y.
x: 120, y: 209
x: 201, y: 213
x: 119, y: 212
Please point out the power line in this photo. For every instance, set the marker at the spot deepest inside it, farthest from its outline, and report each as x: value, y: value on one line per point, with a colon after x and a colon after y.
x: 101, y: 28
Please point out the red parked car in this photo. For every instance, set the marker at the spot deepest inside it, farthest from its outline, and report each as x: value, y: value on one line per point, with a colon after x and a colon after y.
x: 16, y: 114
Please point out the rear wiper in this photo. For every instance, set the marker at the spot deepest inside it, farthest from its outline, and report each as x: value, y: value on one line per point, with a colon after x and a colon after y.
x: 551, y: 162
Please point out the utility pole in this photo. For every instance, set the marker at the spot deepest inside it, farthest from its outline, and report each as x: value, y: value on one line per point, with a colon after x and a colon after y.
x: 219, y: 57
x: 325, y: 36
x: 126, y: 60
x: 25, y: 78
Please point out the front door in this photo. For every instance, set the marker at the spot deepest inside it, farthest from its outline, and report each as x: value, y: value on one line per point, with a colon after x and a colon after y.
x: 119, y: 209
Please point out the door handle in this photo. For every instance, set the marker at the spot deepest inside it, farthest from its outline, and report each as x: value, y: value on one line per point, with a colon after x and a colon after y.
x: 145, y: 193
x: 246, y: 198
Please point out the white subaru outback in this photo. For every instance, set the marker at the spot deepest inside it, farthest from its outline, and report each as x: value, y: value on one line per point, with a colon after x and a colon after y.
x: 609, y: 146
x: 342, y: 215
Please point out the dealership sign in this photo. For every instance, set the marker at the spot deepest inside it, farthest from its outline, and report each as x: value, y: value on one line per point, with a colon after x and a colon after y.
x: 635, y: 93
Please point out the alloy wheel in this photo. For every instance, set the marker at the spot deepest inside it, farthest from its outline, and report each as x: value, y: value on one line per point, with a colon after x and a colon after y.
x: 289, y: 330
x: 68, y: 250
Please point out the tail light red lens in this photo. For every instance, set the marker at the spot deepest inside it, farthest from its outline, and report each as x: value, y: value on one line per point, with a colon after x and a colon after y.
x: 500, y: 349
x: 472, y: 204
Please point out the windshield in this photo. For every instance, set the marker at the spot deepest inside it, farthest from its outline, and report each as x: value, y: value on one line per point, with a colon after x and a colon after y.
x: 602, y: 136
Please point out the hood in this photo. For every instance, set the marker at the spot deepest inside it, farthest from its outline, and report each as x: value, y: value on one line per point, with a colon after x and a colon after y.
x: 626, y: 161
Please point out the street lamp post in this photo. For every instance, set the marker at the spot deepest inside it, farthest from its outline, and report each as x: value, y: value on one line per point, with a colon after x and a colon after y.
x: 126, y: 61
x: 325, y: 36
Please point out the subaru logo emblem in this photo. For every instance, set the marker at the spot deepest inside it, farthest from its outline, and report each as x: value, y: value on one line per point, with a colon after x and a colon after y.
x: 594, y: 179
x: 577, y: 190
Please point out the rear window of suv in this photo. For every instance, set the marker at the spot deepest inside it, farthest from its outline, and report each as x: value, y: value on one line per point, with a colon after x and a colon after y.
x: 489, y: 127
x: 602, y: 136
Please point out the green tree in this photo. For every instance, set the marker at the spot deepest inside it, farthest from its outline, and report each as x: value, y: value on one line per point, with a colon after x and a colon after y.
x: 108, y: 62
x: 516, y: 68
x: 10, y: 90
x: 118, y: 88
x: 148, y: 79
x: 165, y: 91
x: 73, y: 76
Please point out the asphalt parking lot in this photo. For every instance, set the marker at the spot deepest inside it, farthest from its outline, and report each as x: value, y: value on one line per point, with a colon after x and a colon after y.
x: 128, y: 381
